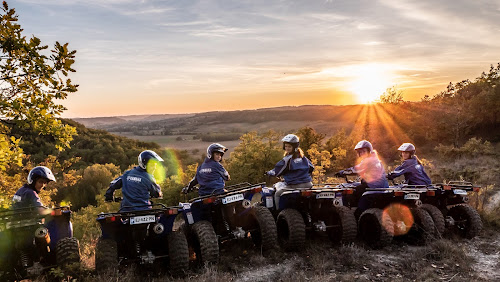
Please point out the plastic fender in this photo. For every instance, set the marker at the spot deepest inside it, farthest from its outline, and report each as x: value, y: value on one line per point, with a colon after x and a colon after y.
x: 288, y: 200
x: 200, y: 211
x: 168, y: 223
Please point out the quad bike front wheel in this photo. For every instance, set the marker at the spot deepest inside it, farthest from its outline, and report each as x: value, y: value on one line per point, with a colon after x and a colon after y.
x: 178, y: 253
x: 106, y: 255
x: 291, y: 230
x: 375, y: 228
x: 266, y: 235
x: 467, y: 222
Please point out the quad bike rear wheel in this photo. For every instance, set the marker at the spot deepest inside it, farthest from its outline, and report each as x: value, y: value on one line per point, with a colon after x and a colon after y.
x: 423, y: 229
x: 205, y: 242
x: 178, y: 253
x: 266, y: 235
x: 375, y: 228
x: 467, y: 221
x: 291, y: 230
x: 345, y: 228
x: 106, y: 255
x: 437, y: 217
x: 68, y: 254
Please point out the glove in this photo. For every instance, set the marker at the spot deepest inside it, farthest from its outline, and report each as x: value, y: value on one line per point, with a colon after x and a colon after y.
x: 186, y: 189
x: 390, y: 176
x: 339, y: 174
x: 108, y: 199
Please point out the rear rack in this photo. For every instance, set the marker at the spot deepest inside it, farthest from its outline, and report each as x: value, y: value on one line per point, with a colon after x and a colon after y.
x: 233, y: 189
x: 161, y: 208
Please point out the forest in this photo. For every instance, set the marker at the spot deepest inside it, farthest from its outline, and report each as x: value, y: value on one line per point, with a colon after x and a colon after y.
x: 455, y: 132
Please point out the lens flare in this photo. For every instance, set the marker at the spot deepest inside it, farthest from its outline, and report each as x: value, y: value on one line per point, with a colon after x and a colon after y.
x: 156, y: 169
x: 401, y: 217
x: 172, y: 162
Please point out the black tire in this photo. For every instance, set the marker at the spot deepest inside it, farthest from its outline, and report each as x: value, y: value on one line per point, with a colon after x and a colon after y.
x: 375, y: 228
x: 468, y: 223
x: 346, y: 231
x: 291, y: 230
x: 422, y: 231
x: 68, y: 254
x: 178, y: 253
x: 106, y: 255
x: 266, y: 236
x: 437, y: 217
x: 205, y: 242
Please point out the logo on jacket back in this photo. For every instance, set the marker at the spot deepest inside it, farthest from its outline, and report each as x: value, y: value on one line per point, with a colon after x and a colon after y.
x: 297, y: 160
x: 134, y: 179
x: 206, y: 170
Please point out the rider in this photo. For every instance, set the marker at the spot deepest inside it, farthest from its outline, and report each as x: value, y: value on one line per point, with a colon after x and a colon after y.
x: 27, y: 196
x: 138, y: 183
x: 370, y: 169
x: 411, y: 167
x: 294, y: 167
x: 210, y: 175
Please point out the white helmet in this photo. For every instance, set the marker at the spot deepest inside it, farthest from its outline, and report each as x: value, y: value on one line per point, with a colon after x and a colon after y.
x: 407, y: 147
x: 364, y: 144
x: 292, y: 139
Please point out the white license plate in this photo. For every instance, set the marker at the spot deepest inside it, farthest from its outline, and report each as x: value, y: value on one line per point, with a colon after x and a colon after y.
x: 459, y: 192
x: 232, y: 199
x: 325, y: 195
x: 186, y: 206
x: 412, y: 196
x: 142, y: 219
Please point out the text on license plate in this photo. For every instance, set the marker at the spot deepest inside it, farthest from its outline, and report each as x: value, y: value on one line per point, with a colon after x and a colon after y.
x: 412, y: 196
x: 327, y: 195
x: 142, y: 219
x: 459, y: 192
x: 232, y: 198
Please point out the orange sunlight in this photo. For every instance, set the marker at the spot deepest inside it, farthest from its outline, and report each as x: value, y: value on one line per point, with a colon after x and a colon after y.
x: 370, y: 82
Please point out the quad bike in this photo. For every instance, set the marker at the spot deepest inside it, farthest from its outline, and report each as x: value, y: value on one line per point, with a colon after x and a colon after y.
x: 143, y: 237
x: 383, y: 213
x: 32, y: 240
x: 320, y: 209
x: 451, y: 200
x: 235, y: 214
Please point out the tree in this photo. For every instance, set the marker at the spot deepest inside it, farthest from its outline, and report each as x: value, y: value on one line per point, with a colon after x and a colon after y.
x: 308, y: 136
x: 31, y: 80
x: 392, y: 96
x: 254, y: 155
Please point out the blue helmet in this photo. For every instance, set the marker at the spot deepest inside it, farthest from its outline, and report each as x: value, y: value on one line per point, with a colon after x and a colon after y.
x: 147, y: 155
x: 40, y: 172
x: 364, y: 144
x: 215, y: 147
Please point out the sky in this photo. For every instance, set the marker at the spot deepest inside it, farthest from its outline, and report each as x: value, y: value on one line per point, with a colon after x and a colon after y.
x: 184, y: 56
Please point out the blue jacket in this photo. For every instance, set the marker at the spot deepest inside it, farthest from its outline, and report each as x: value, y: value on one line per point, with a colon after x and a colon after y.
x: 414, y: 172
x: 211, y: 176
x: 26, y: 197
x: 371, y: 170
x: 294, y: 171
x: 137, y: 186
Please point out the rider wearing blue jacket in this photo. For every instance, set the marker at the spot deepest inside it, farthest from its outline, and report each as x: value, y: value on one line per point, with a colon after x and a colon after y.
x: 295, y: 168
x: 211, y: 175
x: 411, y: 168
x: 137, y: 184
x: 27, y: 196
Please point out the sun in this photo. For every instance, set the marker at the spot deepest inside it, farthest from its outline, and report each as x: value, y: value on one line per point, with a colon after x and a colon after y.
x: 369, y: 83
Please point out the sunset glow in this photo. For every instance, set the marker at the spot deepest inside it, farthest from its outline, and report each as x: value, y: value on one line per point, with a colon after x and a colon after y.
x: 371, y: 82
